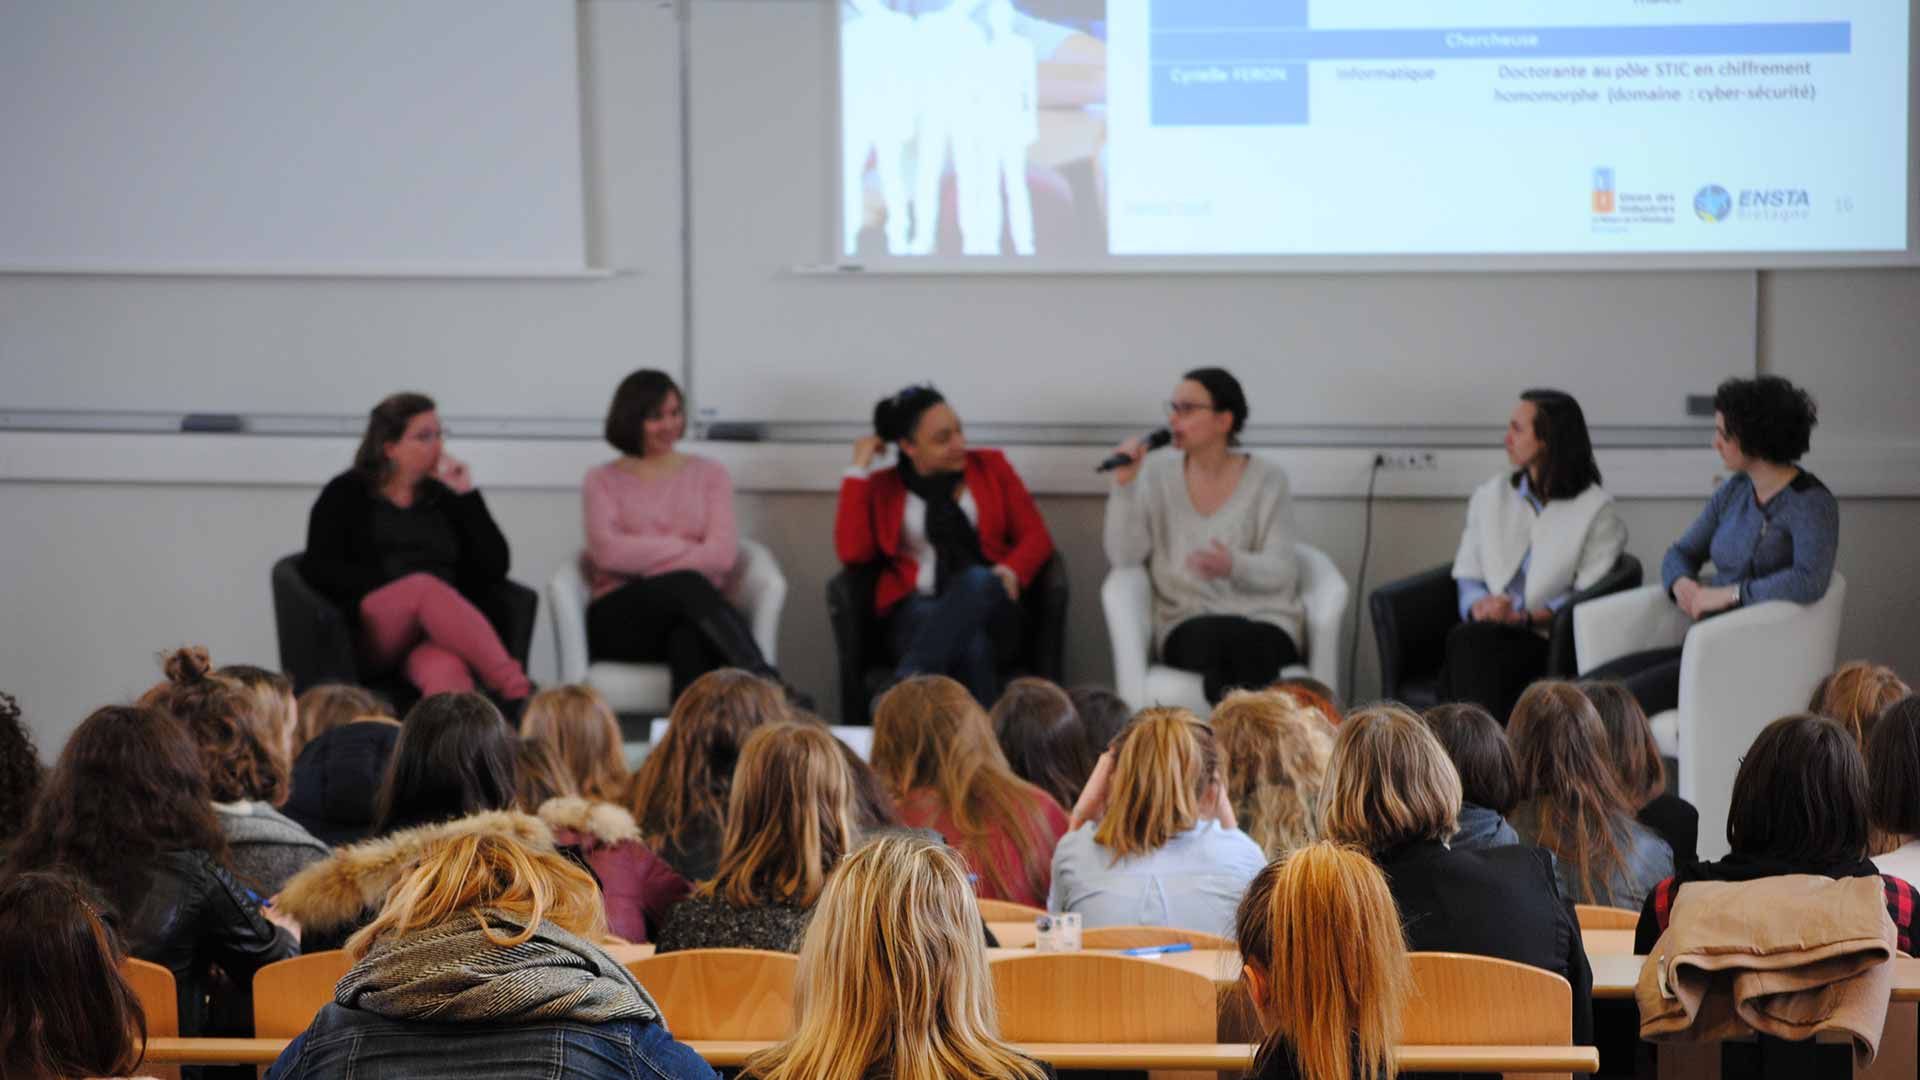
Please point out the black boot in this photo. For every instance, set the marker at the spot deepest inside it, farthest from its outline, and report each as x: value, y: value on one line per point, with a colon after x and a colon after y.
x: 728, y: 633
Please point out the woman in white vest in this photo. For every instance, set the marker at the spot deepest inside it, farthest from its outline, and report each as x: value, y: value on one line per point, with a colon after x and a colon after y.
x: 1534, y: 536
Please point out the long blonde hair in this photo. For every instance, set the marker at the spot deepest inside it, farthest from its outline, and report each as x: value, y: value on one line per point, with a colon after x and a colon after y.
x: 1322, y: 926
x: 929, y: 734
x: 581, y: 727
x: 893, y: 976
x: 492, y: 871
x: 1389, y: 782
x: 789, y: 821
x: 686, y: 778
x: 1277, y: 747
x: 1164, y: 764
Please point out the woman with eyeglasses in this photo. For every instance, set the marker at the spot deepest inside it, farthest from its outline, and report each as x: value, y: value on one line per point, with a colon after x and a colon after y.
x: 404, y: 544
x: 1214, y: 526
x: 957, y: 537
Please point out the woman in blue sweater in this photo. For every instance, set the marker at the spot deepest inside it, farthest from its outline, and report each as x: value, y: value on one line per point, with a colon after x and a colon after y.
x: 1771, y: 531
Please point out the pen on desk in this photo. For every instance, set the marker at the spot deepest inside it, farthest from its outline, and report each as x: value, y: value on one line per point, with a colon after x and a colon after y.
x: 1158, y: 950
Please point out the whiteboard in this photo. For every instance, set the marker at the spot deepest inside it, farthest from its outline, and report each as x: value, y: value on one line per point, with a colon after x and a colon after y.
x: 266, y: 134
x: 774, y: 341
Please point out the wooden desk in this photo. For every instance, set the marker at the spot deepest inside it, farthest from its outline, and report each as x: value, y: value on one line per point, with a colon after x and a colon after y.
x: 1220, y: 965
x: 627, y: 954
x: 1021, y: 935
x: 1228, y: 1057
x: 1014, y: 935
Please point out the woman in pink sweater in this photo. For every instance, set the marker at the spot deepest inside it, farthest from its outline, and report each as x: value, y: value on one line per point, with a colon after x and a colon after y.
x: 661, y: 543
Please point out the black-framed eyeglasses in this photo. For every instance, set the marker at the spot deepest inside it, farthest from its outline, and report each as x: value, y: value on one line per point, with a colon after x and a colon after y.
x: 1188, y: 408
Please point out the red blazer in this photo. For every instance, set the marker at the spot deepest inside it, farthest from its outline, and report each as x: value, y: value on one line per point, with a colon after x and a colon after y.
x: 867, y: 525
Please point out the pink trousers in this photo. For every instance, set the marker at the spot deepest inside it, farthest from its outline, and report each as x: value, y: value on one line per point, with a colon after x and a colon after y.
x: 440, y: 637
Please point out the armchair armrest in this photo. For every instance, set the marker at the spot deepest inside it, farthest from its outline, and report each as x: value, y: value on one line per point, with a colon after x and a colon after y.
x: 1561, y: 661
x: 1635, y: 620
x: 316, y: 641
x: 1127, y: 599
x: 758, y: 590
x: 1325, y: 592
x: 567, y: 599
x: 850, y: 612
x: 1411, y: 618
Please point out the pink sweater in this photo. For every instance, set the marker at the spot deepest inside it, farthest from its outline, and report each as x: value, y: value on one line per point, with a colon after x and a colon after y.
x: 643, y: 528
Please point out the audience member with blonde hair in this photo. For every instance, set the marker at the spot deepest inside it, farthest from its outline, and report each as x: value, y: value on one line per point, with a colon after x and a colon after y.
x: 80, y: 1018
x: 1893, y: 789
x: 1276, y: 747
x: 1155, y: 842
x: 273, y: 698
x: 1643, y: 775
x: 342, y: 744
x: 789, y: 822
x: 486, y: 960
x: 244, y: 748
x: 581, y: 727
x: 539, y: 775
x: 1856, y: 694
x: 1575, y: 806
x: 1489, y: 783
x: 1325, y: 965
x: 679, y: 793
x: 934, y: 746
x: 1392, y: 791
x: 1046, y: 742
x: 893, y: 977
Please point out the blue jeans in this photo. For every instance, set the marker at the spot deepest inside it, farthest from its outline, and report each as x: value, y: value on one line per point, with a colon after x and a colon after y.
x: 968, y: 632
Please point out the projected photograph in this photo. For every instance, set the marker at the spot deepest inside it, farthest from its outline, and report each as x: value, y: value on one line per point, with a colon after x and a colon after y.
x: 973, y: 128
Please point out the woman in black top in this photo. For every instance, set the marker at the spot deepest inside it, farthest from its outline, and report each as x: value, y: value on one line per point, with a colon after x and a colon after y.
x: 405, y: 545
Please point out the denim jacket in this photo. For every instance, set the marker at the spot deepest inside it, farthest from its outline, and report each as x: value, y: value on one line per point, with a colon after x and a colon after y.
x: 348, y: 1042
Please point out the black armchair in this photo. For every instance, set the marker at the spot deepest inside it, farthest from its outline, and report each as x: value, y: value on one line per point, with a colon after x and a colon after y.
x: 1411, y: 618
x: 858, y: 639
x: 316, y: 638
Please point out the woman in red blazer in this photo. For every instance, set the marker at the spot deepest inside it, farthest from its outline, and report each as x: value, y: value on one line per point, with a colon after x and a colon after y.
x: 958, y: 537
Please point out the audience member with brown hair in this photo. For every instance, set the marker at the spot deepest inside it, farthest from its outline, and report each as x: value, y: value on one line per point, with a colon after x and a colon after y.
x: 1276, y: 748
x: 1154, y: 841
x: 1489, y: 782
x: 893, y: 977
x: 1392, y: 791
x: 1575, y: 807
x: 487, y: 960
x: 273, y: 698
x: 80, y: 1018
x: 19, y: 773
x: 455, y: 758
x: 1800, y: 806
x: 1855, y: 695
x: 1325, y: 965
x: 126, y: 809
x: 679, y: 794
x: 1893, y: 789
x: 934, y: 746
x: 1104, y: 713
x: 244, y: 750
x: 789, y: 823
x: 539, y: 775
x: 583, y: 730
x: 1045, y: 740
x: 344, y: 740
x: 1643, y: 775
x: 1315, y: 693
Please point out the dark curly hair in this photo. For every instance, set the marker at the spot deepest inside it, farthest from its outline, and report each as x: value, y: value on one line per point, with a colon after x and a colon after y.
x: 898, y: 417
x: 19, y: 768
x: 1769, y: 417
x: 127, y: 789
x: 244, y: 753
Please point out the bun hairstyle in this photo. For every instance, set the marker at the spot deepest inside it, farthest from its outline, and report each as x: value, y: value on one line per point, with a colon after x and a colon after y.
x: 895, y: 418
x: 242, y: 744
x: 1227, y: 396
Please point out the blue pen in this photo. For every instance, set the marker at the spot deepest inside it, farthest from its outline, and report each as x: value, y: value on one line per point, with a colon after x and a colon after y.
x: 1158, y: 950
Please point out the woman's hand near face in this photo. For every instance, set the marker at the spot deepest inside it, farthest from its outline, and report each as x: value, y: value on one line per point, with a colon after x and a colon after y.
x: 1135, y: 449
x: 454, y: 473
x: 1093, y: 798
x: 865, y: 449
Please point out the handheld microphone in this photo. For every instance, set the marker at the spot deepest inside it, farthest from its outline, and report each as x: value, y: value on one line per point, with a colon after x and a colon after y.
x: 1154, y: 440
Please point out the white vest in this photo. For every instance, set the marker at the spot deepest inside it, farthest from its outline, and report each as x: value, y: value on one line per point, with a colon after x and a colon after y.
x: 1574, y: 541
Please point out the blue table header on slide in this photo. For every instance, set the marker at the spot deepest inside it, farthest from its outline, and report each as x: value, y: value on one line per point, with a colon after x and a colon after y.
x: 1270, y: 44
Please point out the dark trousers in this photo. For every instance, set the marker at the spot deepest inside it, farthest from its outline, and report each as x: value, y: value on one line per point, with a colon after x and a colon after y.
x: 1491, y: 664
x: 1653, y: 677
x: 679, y: 618
x: 970, y: 632
x: 1230, y: 652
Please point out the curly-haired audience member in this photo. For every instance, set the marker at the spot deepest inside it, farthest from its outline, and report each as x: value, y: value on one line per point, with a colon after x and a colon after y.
x: 19, y: 772
x: 1276, y: 747
x: 1855, y: 695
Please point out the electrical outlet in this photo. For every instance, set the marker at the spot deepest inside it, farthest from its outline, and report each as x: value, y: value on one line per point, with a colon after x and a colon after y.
x: 1405, y: 460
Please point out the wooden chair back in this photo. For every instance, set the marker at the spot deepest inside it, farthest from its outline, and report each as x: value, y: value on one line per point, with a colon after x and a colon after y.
x: 1096, y: 998
x: 1478, y: 1001
x: 159, y: 998
x: 288, y: 994
x: 1599, y: 917
x: 1008, y: 911
x: 1138, y: 937
x: 722, y: 994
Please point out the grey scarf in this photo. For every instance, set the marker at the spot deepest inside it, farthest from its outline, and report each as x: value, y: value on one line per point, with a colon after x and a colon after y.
x: 453, y: 974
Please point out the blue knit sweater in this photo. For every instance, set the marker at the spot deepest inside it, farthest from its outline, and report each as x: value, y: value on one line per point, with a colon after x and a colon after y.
x: 1781, y: 551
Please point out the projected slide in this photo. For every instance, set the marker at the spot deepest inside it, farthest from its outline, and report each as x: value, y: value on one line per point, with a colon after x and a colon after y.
x: 1075, y: 128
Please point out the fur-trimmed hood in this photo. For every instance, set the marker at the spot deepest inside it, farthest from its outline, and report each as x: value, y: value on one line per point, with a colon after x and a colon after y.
x: 603, y: 824
x: 339, y: 890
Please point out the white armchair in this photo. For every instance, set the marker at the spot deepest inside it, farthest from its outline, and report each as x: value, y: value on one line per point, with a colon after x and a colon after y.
x: 1127, y: 597
x: 755, y: 587
x: 1739, y: 672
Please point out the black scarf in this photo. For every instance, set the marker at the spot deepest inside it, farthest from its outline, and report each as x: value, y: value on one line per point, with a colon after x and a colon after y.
x: 956, y: 546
